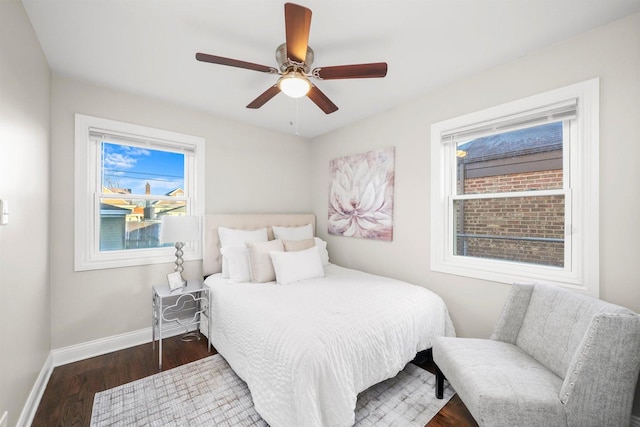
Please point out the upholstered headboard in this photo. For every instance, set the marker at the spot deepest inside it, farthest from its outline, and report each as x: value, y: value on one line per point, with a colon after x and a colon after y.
x: 212, y: 260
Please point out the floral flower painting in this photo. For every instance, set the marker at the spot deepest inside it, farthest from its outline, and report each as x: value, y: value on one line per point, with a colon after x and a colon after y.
x: 361, y: 195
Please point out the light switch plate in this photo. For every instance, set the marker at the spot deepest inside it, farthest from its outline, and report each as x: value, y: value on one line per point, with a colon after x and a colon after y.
x: 4, y: 213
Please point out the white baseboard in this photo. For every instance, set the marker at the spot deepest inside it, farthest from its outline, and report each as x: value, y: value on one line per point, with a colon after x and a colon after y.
x: 74, y: 353
x: 101, y: 346
x: 635, y: 421
x: 33, y: 400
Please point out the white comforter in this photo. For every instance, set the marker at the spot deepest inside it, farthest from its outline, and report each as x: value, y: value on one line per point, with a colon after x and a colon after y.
x: 307, y: 349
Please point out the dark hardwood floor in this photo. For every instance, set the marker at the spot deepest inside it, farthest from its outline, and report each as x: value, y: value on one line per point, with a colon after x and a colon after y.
x: 68, y: 398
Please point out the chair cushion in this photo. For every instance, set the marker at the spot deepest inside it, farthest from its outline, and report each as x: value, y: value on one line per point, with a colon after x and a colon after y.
x: 499, y: 383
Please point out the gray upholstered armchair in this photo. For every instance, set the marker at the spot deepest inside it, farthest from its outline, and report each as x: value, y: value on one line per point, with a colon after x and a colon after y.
x: 555, y: 358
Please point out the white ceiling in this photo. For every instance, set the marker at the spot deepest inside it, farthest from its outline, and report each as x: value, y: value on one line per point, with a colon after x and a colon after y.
x: 148, y: 47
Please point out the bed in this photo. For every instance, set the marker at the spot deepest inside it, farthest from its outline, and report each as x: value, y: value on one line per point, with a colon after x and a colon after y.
x: 307, y: 348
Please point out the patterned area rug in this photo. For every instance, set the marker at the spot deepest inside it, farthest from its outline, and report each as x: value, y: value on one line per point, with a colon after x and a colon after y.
x: 208, y: 393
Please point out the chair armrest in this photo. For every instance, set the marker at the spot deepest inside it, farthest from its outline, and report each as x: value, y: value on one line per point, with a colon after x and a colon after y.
x: 508, y: 324
x: 600, y: 382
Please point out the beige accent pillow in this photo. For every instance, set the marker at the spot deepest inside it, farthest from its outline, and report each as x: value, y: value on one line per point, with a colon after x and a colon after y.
x: 298, y: 245
x: 232, y: 237
x: 260, y: 263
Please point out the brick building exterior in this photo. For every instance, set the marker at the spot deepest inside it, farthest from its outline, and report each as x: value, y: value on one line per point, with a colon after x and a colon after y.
x: 522, y: 229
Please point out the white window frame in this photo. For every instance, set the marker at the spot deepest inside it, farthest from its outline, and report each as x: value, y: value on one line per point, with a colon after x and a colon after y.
x: 87, y: 254
x: 581, y: 170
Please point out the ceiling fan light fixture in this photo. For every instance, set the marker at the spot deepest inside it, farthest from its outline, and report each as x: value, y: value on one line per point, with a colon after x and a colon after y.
x: 294, y: 84
x: 294, y: 58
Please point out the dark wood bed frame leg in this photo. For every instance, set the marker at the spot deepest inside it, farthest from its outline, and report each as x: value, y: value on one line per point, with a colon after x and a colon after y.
x: 439, y: 382
x: 427, y: 356
x: 423, y: 357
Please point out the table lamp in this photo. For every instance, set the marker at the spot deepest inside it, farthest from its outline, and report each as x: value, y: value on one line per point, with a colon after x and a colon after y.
x: 179, y: 229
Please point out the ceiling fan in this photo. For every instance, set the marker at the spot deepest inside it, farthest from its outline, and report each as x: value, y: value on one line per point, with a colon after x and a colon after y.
x: 294, y: 59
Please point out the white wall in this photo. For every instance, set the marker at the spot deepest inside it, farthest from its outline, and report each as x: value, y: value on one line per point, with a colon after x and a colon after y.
x: 612, y: 53
x: 24, y: 182
x: 247, y: 170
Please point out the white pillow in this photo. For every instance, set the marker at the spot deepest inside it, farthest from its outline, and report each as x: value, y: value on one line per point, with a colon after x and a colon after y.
x: 237, y: 259
x: 322, y: 248
x: 260, y: 263
x: 230, y: 237
x: 292, y: 267
x: 299, y: 245
x: 233, y: 237
x: 293, y: 233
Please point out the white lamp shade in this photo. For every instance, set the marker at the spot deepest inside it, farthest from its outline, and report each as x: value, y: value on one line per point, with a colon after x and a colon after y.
x: 185, y: 228
x: 294, y: 84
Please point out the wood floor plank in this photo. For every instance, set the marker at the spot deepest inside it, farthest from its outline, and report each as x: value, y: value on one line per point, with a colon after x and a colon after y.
x: 68, y: 398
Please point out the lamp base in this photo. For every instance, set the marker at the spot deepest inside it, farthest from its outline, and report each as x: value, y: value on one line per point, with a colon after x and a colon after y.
x: 190, y: 336
x: 179, y: 261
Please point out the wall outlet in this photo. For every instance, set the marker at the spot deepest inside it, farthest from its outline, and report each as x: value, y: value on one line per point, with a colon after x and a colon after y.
x: 4, y: 420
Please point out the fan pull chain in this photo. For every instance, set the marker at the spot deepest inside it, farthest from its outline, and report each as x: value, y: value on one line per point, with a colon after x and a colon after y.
x: 297, y: 119
x: 297, y: 116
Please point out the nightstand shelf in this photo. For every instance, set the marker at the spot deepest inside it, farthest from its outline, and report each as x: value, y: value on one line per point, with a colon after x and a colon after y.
x: 183, y: 309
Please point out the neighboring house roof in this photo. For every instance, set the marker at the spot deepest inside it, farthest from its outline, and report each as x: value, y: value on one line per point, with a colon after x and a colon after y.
x: 116, y: 190
x: 114, y: 201
x: 175, y: 192
x: 547, y: 137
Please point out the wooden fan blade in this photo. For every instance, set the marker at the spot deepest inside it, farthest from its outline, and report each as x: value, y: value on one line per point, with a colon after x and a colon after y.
x: 356, y: 71
x: 264, y: 97
x: 321, y: 100
x: 297, y: 20
x: 205, y: 57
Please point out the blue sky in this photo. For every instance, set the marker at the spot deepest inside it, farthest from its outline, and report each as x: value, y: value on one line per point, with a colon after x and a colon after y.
x: 132, y: 167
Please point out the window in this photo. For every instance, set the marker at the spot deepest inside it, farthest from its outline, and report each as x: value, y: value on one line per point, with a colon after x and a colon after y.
x: 514, y: 193
x: 127, y: 178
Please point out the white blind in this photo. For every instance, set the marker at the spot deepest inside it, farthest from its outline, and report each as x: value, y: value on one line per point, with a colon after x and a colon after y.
x: 101, y: 135
x: 564, y: 110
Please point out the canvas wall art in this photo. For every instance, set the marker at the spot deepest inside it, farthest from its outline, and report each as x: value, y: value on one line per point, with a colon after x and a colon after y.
x: 361, y: 195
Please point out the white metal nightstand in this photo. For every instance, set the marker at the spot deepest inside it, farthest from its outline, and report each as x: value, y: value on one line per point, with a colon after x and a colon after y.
x: 183, y: 308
